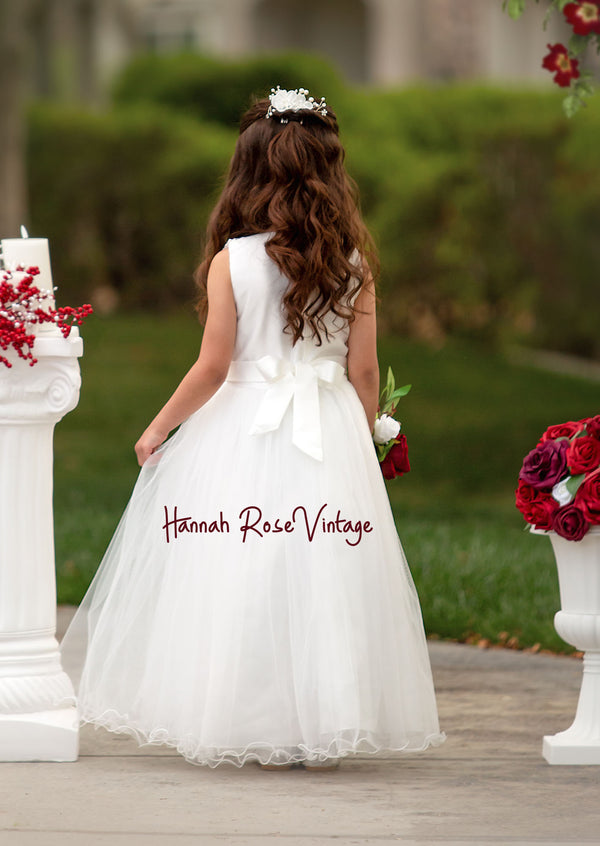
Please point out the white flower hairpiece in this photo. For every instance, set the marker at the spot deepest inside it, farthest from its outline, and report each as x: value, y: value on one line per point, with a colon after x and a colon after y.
x: 295, y: 100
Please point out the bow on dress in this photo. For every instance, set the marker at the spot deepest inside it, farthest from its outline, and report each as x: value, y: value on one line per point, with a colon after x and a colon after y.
x: 291, y: 381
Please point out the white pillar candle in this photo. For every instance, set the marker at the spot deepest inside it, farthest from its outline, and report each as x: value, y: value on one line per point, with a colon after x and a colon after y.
x: 30, y: 252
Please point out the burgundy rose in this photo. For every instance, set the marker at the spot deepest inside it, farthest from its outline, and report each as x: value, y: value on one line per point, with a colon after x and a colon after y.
x: 545, y: 465
x: 396, y: 461
x: 588, y: 499
x: 583, y: 455
x: 570, y: 523
x: 593, y: 426
x: 562, y: 430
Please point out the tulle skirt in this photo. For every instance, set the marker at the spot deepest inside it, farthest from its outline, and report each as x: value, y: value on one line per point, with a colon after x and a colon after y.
x: 255, y: 603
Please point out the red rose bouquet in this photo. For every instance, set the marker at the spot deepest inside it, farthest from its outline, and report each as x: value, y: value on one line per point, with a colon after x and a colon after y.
x: 22, y: 306
x: 391, y: 446
x: 559, y: 482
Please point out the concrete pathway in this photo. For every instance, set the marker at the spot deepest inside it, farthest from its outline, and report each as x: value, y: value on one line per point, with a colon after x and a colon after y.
x: 488, y: 784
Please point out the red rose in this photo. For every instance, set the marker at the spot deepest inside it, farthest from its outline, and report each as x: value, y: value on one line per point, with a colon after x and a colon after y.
x: 584, y: 17
x: 396, y: 461
x: 587, y: 499
x: 593, y: 426
x: 562, y: 430
x: 525, y: 496
x: 583, y: 455
x: 570, y: 523
x: 559, y: 63
x: 543, y: 510
x: 536, y: 506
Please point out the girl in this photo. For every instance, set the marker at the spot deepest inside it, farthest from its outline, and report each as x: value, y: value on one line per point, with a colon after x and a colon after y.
x: 255, y: 602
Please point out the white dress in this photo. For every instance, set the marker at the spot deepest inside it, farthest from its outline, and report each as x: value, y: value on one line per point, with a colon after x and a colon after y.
x: 254, y: 602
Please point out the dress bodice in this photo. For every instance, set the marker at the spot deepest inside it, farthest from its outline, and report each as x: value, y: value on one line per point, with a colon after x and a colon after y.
x: 258, y: 289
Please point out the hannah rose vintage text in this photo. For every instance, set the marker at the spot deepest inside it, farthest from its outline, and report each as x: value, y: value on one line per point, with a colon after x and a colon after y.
x: 251, y: 520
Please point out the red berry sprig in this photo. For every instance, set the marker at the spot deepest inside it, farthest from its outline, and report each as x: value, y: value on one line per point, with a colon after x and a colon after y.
x: 21, y: 308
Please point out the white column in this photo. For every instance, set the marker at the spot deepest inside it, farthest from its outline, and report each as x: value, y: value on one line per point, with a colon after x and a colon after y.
x: 38, y: 715
x: 394, y: 51
x: 234, y: 33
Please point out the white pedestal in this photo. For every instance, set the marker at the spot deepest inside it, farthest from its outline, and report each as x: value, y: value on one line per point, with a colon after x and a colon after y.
x: 580, y: 744
x: 40, y: 736
x: 578, y: 623
x: 38, y: 714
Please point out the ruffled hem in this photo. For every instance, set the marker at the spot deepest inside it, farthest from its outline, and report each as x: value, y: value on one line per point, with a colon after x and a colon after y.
x: 264, y: 752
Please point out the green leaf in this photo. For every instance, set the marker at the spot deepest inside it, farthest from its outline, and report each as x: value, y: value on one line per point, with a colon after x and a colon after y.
x: 560, y: 4
x: 400, y: 392
x: 585, y: 86
x: 577, y: 44
x: 515, y: 8
x: 383, y: 450
x: 391, y: 383
x: 573, y: 483
x: 390, y: 395
x: 571, y: 105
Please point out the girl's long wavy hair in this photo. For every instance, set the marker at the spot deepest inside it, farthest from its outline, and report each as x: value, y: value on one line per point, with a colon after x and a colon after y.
x: 289, y: 178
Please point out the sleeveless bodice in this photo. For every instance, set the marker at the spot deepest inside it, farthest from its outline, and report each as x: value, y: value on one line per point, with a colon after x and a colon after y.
x: 258, y: 289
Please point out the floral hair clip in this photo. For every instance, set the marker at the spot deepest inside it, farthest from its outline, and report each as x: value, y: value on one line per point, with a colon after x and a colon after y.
x: 295, y: 100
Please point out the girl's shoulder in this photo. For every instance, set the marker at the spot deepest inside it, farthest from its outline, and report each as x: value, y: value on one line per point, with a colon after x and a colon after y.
x: 219, y: 265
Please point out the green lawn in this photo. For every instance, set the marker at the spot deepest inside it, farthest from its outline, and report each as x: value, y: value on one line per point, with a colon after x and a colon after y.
x: 469, y: 419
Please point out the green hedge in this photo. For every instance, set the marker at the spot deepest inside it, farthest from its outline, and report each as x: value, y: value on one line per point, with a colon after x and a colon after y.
x: 210, y: 89
x: 485, y: 203
x: 124, y: 198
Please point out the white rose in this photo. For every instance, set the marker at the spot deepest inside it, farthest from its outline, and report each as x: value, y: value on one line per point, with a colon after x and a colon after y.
x: 385, y: 429
x: 283, y: 101
x: 561, y: 494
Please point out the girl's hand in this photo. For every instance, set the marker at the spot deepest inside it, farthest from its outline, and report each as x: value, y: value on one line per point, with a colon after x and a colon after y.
x: 148, y: 443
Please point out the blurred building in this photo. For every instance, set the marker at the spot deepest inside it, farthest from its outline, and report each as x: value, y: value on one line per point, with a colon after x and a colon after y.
x: 372, y: 41
x: 78, y: 44
x: 75, y: 46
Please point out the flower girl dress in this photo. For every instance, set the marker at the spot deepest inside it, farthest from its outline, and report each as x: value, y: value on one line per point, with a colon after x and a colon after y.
x: 254, y: 602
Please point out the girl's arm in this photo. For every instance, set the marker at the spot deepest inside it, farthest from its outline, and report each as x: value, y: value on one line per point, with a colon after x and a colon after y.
x: 363, y: 366
x: 209, y: 372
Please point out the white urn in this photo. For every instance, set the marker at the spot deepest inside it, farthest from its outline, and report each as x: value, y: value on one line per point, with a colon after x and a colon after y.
x: 578, y: 623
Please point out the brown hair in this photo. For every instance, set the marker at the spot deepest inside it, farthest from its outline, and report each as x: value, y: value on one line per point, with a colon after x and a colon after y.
x: 288, y: 177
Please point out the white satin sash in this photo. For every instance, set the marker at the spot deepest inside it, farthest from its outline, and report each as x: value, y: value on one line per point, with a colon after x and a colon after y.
x: 291, y: 381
